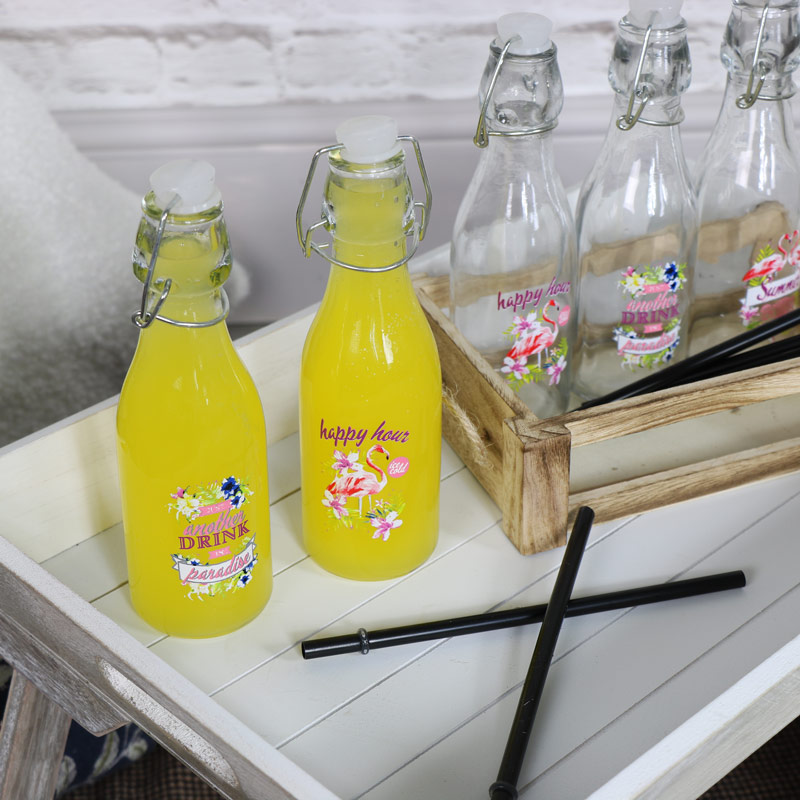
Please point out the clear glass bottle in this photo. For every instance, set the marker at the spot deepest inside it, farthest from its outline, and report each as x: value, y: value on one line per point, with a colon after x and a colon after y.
x: 190, y: 426
x: 513, y: 280
x: 748, y: 185
x: 636, y: 212
x: 370, y: 382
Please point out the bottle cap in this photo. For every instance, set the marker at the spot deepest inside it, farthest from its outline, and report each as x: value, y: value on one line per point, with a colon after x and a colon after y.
x: 192, y: 181
x: 662, y: 13
x: 368, y: 139
x: 533, y: 30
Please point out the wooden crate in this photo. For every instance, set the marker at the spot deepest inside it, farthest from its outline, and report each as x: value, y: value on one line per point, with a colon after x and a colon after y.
x: 622, y: 458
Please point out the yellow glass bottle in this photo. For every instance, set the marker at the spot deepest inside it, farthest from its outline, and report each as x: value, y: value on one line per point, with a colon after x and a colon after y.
x: 190, y: 426
x: 370, y: 383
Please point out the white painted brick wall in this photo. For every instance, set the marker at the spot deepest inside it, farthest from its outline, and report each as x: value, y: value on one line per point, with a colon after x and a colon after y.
x: 102, y: 54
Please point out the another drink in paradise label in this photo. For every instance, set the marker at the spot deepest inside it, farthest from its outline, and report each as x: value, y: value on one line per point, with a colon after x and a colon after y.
x: 772, y: 282
x: 537, y: 352
x: 364, y: 465
x: 216, y: 549
x: 649, y: 330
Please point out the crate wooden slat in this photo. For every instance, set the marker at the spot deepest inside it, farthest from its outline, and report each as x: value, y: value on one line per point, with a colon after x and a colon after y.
x: 524, y: 463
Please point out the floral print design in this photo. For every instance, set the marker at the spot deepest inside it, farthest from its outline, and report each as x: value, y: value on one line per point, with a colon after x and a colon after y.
x: 336, y: 505
x: 190, y: 502
x: 385, y: 525
x: 765, y: 270
x: 537, y: 336
x: 343, y: 463
x: 635, y: 282
x: 232, y: 584
x: 361, y: 484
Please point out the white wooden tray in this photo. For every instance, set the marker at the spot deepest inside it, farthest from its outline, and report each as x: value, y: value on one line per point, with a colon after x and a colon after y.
x: 421, y: 721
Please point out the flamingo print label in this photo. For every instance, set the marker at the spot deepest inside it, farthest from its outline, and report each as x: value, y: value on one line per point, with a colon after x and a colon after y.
x: 769, y: 296
x: 353, y: 496
x: 649, y: 329
x: 216, y: 516
x: 537, y: 336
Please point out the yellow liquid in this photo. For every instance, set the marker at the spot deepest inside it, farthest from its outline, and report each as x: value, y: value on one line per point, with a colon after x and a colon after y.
x: 189, y: 419
x: 370, y: 365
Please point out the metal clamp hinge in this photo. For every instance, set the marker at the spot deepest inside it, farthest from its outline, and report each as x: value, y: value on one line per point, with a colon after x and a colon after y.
x: 144, y: 317
x: 748, y: 99
x: 418, y: 228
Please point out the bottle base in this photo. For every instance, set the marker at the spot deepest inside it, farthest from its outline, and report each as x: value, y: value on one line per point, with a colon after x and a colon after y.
x: 206, y: 631
x: 372, y: 575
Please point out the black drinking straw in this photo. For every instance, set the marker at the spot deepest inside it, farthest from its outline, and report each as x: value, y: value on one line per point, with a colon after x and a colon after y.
x: 365, y: 641
x: 505, y: 787
x: 669, y: 376
x: 760, y: 357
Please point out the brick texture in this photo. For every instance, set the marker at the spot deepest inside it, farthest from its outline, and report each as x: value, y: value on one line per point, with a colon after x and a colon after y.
x: 92, y: 54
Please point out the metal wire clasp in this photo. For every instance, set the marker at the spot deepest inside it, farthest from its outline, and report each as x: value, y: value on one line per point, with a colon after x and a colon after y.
x: 417, y: 231
x: 642, y: 93
x: 746, y: 100
x: 629, y: 119
x: 144, y: 318
x: 482, y: 133
x: 481, y: 137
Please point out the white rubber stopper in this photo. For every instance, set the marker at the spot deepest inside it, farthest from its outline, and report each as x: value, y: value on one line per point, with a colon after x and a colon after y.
x: 192, y: 181
x: 533, y: 30
x: 662, y: 13
x: 368, y: 139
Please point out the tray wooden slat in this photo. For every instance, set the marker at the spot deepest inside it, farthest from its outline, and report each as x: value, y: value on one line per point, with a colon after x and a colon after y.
x: 102, y: 677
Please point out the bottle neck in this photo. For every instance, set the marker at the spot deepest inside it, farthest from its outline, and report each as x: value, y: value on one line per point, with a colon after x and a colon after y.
x: 193, y: 255
x: 527, y: 93
x: 762, y: 40
x: 369, y: 214
x: 655, y: 63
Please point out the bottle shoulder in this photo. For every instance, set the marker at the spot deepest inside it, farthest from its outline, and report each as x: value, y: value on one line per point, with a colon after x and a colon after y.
x: 510, y: 221
x: 377, y: 330
x: 639, y: 186
x: 193, y: 364
x: 750, y: 158
x: 513, y: 180
x: 748, y: 155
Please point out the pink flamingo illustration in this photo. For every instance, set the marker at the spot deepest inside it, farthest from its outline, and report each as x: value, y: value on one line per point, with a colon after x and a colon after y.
x: 361, y: 484
x: 793, y: 248
x: 768, y: 266
x: 543, y: 337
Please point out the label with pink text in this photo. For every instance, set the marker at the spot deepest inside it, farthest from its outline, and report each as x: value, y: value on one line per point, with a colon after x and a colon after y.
x: 217, y: 550
x: 537, y: 352
x: 773, y: 282
x: 648, y: 332
x: 361, y: 495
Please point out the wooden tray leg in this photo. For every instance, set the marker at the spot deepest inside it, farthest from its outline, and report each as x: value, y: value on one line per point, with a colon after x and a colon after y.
x: 32, y: 741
